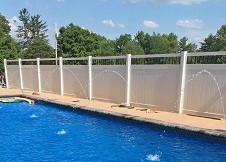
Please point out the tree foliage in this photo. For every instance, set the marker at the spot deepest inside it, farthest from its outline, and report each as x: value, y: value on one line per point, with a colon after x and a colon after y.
x: 8, y: 46
x: 38, y: 48
x: 4, y: 24
x: 121, y: 42
x: 32, y: 36
x: 132, y: 48
x: 77, y: 42
x: 157, y: 43
x: 38, y: 28
x: 209, y: 44
x: 23, y: 32
x: 74, y: 41
x: 215, y: 42
x: 221, y: 39
x: 184, y: 46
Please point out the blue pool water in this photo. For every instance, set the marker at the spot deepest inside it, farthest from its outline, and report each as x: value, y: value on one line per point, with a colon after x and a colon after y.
x: 45, y: 132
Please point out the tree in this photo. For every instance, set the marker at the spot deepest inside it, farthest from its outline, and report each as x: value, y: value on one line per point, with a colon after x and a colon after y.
x: 140, y: 38
x: 221, y: 39
x: 8, y: 46
x: 121, y: 42
x: 38, y: 48
x: 73, y: 41
x: 38, y: 28
x: 173, y: 43
x: 23, y: 31
x: 157, y: 43
x: 132, y: 48
x: 106, y: 48
x: 32, y: 36
x: 215, y: 42
x: 4, y: 24
x: 209, y: 44
x: 184, y: 46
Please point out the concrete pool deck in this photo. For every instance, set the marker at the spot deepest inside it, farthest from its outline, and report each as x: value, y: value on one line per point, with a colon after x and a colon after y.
x: 209, y: 126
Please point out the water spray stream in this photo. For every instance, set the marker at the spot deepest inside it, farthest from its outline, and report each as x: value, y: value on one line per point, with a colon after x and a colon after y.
x: 216, y: 83
x: 118, y: 74
x: 74, y: 75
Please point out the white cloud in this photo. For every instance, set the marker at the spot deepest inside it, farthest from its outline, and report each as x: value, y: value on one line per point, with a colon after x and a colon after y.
x: 60, y: 0
x: 182, y: 2
x: 112, y: 24
x: 109, y: 23
x: 192, y: 23
x: 150, y: 24
x: 14, y: 22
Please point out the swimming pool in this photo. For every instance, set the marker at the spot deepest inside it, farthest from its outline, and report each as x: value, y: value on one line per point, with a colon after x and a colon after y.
x: 47, y: 132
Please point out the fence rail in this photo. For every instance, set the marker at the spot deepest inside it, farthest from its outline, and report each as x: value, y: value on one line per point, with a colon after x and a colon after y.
x: 182, y: 82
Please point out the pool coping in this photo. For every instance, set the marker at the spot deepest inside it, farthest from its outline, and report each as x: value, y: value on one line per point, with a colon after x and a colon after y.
x: 210, y: 132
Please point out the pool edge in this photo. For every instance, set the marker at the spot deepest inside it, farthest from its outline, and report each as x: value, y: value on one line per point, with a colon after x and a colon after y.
x: 210, y: 132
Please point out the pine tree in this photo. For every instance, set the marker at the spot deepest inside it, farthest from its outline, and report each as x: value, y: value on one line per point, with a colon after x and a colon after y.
x: 32, y: 36
x: 23, y: 30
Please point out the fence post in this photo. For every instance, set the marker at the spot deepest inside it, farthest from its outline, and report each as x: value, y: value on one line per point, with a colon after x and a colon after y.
x: 6, y: 74
x: 21, y: 74
x: 183, y: 63
x: 128, y: 79
x: 90, y: 77
x: 39, y: 76
x: 61, y: 77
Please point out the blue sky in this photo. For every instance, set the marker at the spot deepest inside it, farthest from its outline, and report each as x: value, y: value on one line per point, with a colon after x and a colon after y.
x: 195, y: 19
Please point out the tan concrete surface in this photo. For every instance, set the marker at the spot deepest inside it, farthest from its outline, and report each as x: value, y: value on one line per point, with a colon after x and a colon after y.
x: 165, y: 117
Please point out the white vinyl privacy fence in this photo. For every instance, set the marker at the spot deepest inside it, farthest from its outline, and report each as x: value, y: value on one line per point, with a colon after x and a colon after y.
x: 191, y: 83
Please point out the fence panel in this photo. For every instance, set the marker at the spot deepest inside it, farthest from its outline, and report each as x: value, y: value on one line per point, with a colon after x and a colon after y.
x: 205, y: 90
x: 13, y: 76
x: 109, y: 82
x: 76, y: 80
x: 50, y: 78
x: 155, y: 86
x: 30, y: 77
